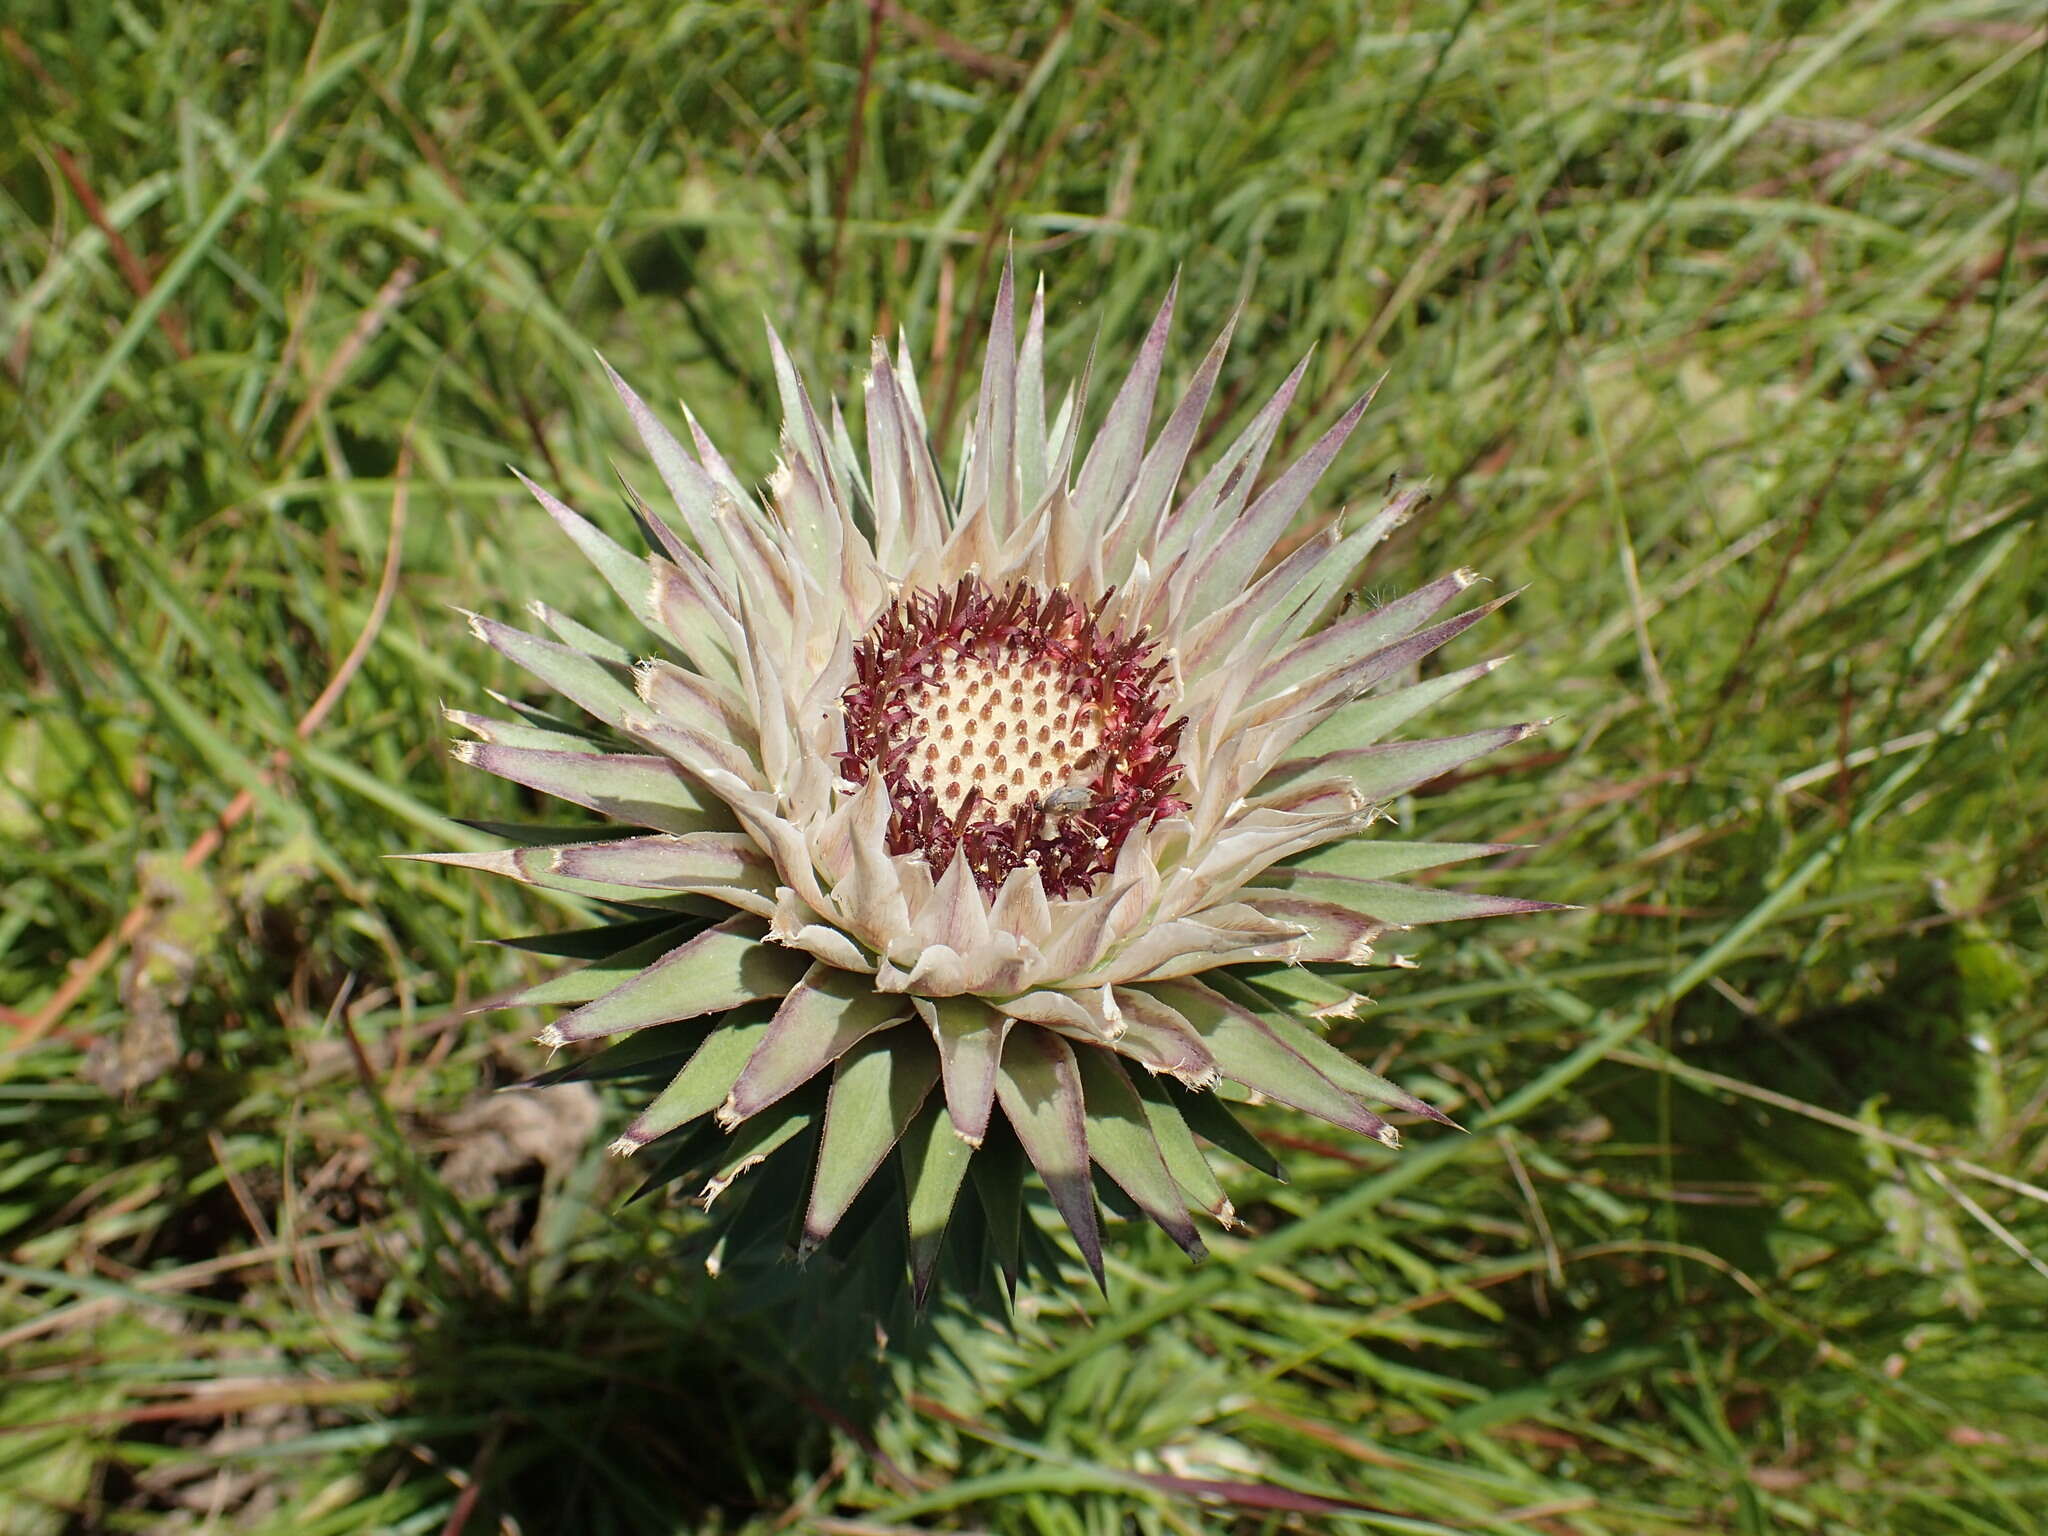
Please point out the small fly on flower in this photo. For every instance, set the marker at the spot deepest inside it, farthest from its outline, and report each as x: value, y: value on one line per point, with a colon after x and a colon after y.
x: 1068, y: 802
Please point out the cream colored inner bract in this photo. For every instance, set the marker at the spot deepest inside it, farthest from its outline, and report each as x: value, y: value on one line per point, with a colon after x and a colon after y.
x: 1012, y: 728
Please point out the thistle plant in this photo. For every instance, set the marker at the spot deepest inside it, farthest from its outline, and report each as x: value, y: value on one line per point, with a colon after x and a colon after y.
x: 980, y: 830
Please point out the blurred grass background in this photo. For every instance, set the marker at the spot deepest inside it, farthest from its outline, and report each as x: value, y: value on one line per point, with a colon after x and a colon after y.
x: 1720, y: 326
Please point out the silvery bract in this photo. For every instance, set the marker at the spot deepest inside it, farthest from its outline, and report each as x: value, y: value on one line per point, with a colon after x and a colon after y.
x: 946, y: 813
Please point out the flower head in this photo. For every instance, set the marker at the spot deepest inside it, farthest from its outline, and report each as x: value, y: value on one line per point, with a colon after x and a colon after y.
x: 949, y: 813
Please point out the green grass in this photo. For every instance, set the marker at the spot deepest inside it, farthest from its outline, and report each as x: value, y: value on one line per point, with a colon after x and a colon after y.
x: 1721, y: 327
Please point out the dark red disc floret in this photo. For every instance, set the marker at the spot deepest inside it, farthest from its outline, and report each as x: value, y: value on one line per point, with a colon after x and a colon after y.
x: 1073, y: 829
